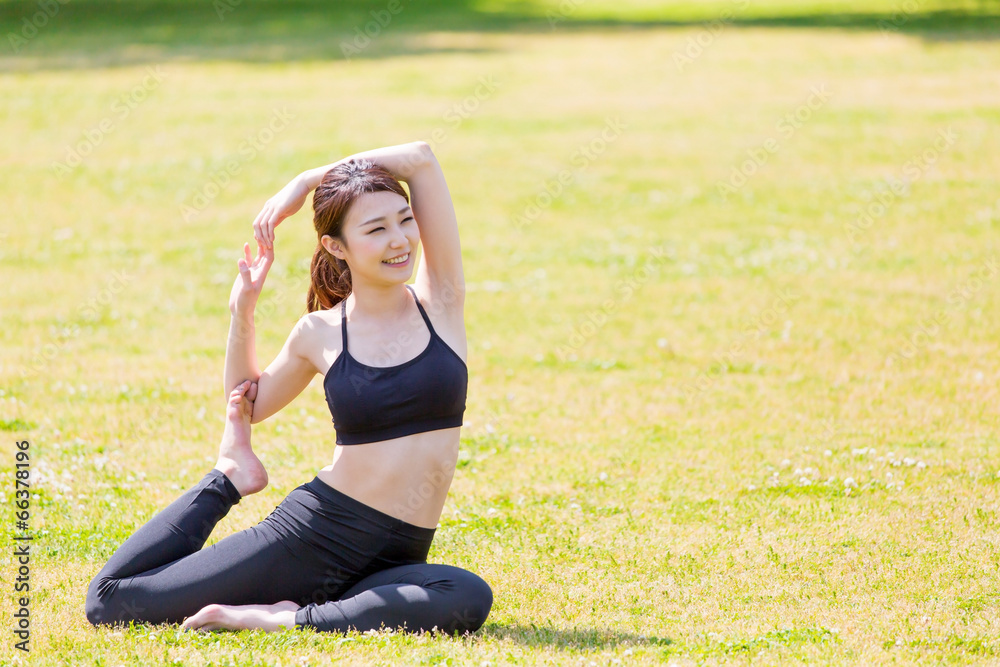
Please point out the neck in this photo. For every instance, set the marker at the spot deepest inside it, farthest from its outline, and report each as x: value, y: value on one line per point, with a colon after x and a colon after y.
x: 378, y: 303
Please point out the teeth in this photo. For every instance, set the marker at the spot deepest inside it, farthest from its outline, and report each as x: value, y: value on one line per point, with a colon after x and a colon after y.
x: 397, y: 261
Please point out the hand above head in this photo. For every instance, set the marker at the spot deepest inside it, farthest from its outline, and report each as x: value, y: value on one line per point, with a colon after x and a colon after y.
x: 250, y: 281
x: 287, y: 202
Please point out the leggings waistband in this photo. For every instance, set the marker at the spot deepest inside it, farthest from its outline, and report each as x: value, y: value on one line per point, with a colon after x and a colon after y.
x: 323, y: 490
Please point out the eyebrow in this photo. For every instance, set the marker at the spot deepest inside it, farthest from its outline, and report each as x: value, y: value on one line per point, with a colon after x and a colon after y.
x: 382, y: 217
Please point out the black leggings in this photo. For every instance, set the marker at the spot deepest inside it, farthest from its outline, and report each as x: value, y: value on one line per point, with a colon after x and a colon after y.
x: 348, y: 566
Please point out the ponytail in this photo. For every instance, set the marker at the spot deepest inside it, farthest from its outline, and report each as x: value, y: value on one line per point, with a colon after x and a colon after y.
x: 330, y: 280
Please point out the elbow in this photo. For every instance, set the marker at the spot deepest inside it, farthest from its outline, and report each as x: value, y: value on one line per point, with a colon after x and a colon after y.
x: 425, y: 154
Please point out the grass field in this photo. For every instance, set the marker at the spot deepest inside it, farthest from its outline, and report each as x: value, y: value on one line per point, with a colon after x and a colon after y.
x: 732, y: 311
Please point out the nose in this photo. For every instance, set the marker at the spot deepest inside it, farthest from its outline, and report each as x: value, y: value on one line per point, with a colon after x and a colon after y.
x: 399, y: 239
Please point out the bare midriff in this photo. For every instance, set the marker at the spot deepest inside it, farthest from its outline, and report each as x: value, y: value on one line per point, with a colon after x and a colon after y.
x: 407, y: 478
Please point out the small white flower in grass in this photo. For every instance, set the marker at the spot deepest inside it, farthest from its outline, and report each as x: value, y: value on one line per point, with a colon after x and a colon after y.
x: 751, y: 487
x: 603, y: 476
x: 574, y: 506
x: 798, y: 472
x: 908, y: 461
x: 805, y: 481
x: 827, y: 453
x: 491, y: 511
x: 889, y: 475
x: 785, y: 463
x: 921, y: 464
x: 628, y: 651
x: 849, y: 482
x: 808, y: 471
x: 662, y: 342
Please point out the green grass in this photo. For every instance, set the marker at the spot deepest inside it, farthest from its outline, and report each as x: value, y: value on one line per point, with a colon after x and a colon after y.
x: 670, y: 384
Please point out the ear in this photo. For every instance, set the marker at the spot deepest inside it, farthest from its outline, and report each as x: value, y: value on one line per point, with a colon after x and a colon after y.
x: 333, y: 246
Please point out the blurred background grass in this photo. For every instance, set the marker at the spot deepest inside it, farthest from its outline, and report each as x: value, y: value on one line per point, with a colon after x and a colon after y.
x: 702, y: 425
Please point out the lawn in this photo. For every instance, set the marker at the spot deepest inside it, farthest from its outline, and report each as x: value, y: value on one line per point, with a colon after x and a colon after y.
x: 732, y: 311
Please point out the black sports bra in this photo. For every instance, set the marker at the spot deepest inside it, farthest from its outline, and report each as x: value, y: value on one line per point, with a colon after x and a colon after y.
x: 373, y: 403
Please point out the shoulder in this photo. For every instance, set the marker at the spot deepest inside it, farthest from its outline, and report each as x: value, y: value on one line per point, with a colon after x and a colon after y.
x: 314, y: 328
x: 446, y: 311
x: 445, y: 297
x: 442, y: 303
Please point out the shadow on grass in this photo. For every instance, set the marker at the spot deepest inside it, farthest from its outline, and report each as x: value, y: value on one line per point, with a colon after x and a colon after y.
x: 533, y: 635
x: 95, y: 33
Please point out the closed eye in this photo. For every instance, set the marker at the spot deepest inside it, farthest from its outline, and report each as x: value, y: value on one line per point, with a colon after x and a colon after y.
x: 378, y: 228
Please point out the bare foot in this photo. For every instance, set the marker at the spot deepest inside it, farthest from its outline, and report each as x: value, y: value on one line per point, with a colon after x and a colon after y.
x: 236, y: 458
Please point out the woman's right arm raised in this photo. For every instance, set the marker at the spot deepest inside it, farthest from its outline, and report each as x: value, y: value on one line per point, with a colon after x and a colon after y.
x: 291, y: 371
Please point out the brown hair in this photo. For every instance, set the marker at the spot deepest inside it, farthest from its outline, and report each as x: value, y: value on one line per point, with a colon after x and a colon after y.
x: 337, y: 192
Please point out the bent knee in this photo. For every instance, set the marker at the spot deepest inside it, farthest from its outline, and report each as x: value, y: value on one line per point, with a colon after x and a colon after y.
x: 94, y: 606
x: 475, y: 602
x: 98, y: 605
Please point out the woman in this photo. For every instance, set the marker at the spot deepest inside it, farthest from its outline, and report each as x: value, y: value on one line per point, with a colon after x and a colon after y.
x: 347, y: 550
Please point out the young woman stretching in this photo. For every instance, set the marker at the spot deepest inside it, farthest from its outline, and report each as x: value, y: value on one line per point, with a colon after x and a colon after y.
x: 347, y: 550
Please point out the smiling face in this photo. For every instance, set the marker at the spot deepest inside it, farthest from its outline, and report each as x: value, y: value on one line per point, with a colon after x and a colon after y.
x: 379, y: 227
